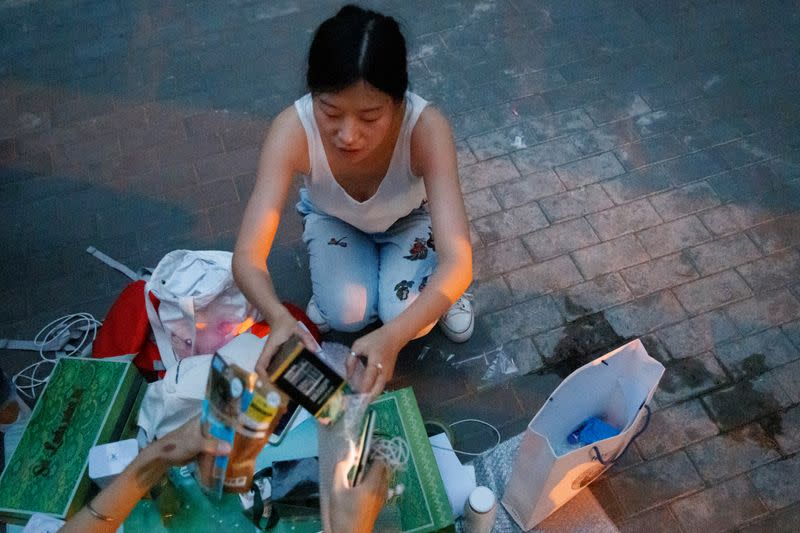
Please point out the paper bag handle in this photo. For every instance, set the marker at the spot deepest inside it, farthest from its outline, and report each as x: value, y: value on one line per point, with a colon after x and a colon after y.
x: 609, y: 462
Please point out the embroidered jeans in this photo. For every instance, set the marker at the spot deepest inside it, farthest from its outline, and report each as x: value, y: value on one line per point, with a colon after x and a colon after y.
x: 359, y: 277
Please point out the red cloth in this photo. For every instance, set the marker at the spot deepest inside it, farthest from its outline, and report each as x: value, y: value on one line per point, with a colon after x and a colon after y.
x: 126, y: 331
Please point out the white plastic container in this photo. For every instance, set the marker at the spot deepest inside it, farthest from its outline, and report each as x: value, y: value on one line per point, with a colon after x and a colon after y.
x: 107, y: 461
x: 480, y: 511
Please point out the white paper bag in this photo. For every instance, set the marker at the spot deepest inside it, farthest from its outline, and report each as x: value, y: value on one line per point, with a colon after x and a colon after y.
x: 616, y: 387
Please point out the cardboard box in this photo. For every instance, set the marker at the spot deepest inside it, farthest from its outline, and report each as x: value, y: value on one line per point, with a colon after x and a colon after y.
x: 85, y: 403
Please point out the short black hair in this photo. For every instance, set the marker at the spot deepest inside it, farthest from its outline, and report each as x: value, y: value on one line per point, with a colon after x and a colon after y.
x: 358, y: 44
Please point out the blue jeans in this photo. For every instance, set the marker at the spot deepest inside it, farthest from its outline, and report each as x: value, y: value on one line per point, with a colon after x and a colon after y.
x: 359, y: 277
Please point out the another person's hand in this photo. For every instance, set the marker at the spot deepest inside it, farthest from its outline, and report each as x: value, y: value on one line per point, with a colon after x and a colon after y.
x: 280, y: 330
x: 180, y: 446
x: 355, y: 509
x: 380, y: 348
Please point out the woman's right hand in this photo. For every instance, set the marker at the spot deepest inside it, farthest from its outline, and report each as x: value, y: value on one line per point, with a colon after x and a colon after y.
x: 280, y: 329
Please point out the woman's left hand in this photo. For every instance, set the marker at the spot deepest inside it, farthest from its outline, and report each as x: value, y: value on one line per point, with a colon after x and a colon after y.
x: 380, y: 348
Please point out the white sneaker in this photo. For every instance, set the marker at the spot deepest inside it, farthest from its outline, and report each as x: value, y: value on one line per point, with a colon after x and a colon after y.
x: 458, y: 322
x: 316, y: 317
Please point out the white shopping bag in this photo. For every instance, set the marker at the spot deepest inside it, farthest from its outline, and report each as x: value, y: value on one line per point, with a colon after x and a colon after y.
x: 200, y: 308
x: 547, y: 473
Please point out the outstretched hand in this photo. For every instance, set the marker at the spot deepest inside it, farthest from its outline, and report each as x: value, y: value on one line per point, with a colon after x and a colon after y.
x: 280, y: 331
x: 355, y: 509
x: 380, y: 349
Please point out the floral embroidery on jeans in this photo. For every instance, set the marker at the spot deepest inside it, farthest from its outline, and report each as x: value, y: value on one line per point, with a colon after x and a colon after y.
x: 402, y: 288
x: 423, y: 283
x: 430, y: 242
x: 418, y: 250
x: 338, y: 242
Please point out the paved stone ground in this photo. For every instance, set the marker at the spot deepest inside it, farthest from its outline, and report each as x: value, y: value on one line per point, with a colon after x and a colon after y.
x: 630, y: 169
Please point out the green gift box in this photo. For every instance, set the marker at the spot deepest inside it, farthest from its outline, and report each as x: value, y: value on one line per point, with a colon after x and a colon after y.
x: 86, y: 402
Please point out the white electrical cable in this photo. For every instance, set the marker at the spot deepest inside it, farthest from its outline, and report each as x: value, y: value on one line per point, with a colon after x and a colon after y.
x: 68, y: 336
x: 472, y: 454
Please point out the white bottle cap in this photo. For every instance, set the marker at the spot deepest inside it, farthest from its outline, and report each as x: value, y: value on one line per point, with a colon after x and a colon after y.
x: 482, y: 499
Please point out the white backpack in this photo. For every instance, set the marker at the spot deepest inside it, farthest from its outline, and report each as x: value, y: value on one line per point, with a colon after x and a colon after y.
x: 201, y: 308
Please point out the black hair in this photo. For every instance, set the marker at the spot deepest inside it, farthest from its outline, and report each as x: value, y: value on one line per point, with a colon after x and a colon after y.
x: 358, y: 44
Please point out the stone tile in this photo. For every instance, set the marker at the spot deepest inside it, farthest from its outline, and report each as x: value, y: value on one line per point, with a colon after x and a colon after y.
x: 510, y: 223
x: 500, y: 142
x: 655, y: 482
x: 485, y: 173
x: 658, y: 520
x: 649, y: 151
x: 778, y: 234
x: 575, y: 203
x: 522, y: 320
x: 720, y: 220
x: 776, y: 482
x: 645, y: 314
x: 228, y: 164
x: 623, y: 219
x: 685, y: 201
x: 596, y: 295
x: 659, y: 274
x: 691, y: 167
x: 756, y: 354
x: 560, y: 124
x: 772, y: 272
x: 673, y: 236
x: 490, y: 295
x: 784, y: 521
x: 707, y: 134
x: 500, y: 258
x: 747, y: 401
x: 616, y: 108
x: 792, y: 330
x: 464, y: 155
x: 560, y: 238
x: 745, y: 183
x: 788, y: 429
x: 712, y: 291
x: 723, y: 253
x: 542, y: 278
x: 528, y: 188
x: 699, y: 334
x: 610, y: 256
x: 764, y: 310
x: 481, y: 203
x: 606, y: 137
x: 573, y: 95
x: 719, y: 508
x: 590, y: 170
x: 733, y: 453
x: 675, y: 427
x: 789, y: 378
x: 739, y: 153
x: 637, y: 184
x: 545, y: 156
x: 533, y: 390
x: 689, y: 377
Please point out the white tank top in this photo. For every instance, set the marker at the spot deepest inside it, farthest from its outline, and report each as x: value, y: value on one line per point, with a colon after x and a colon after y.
x: 399, y: 193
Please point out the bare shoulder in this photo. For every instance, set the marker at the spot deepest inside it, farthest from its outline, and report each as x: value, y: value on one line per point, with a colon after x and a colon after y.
x: 286, y: 138
x: 431, y: 139
x: 431, y: 122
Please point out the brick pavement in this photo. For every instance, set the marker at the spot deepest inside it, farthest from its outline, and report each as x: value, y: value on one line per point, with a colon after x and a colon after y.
x: 631, y: 168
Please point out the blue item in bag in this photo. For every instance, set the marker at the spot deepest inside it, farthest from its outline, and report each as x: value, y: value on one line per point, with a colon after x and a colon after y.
x: 592, y: 430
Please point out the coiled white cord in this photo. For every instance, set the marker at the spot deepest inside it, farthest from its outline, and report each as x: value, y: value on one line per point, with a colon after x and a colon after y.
x: 473, y: 454
x: 394, y: 452
x: 68, y: 336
